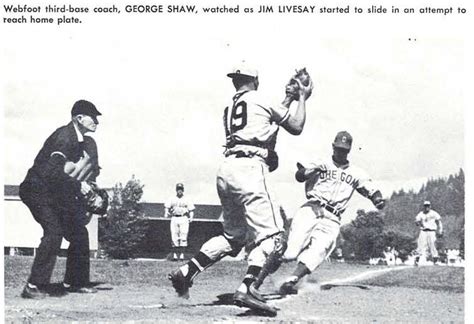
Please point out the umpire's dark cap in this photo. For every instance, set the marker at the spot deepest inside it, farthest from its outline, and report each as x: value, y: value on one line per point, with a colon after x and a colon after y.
x: 179, y: 186
x: 84, y: 107
x: 343, y: 140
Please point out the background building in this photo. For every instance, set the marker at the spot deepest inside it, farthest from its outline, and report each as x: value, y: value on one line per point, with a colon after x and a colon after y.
x: 23, y: 234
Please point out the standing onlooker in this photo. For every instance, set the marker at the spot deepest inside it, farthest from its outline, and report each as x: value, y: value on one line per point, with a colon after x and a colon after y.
x: 181, y: 211
x: 430, y: 225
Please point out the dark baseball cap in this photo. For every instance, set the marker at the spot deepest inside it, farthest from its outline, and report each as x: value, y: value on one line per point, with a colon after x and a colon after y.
x: 179, y: 186
x: 84, y: 107
x: 343, y: 140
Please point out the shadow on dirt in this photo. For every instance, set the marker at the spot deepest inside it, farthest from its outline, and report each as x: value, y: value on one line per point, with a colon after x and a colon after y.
x: 57, y: 289
x: 228, y: 300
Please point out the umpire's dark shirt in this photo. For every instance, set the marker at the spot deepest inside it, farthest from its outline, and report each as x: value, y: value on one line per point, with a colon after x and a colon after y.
x: 47, y: 173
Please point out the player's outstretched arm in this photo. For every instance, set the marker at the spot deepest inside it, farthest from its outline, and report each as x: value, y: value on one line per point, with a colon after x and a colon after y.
x: 295, y: 122
x: 303, y: 174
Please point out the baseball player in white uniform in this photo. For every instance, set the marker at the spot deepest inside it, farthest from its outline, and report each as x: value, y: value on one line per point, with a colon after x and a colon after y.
x: 251, y: 217
x: 181, y: 211
x: 329, y: 186
x: 430, y: 225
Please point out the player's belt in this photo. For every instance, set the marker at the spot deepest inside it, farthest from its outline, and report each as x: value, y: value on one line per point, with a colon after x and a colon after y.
x: 233, y: 143
x: 428, y: 230
x: 240, y: 154
x: 178, y: 215
x: 332, y: 210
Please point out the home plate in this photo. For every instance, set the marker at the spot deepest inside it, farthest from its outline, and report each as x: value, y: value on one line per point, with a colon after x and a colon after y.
x: 329, y: 286
x: 149, y: 306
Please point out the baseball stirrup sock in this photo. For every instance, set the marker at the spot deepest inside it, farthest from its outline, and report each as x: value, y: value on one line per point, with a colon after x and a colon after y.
x: 251, y: 276
x: 301, y: 270
x: 196, y: 265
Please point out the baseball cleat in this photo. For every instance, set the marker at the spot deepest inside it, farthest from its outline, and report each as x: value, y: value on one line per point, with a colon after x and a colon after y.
x: 246, y: 300
x: 288, y: 288
x: 180, y: 283
x: 32, y: 293
x: 255, y: 293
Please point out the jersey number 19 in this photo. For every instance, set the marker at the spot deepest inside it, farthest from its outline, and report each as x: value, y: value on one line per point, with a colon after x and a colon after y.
x: 238, y: 117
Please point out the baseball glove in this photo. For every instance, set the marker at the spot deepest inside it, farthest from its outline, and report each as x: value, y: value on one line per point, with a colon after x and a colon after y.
x: 97, y: 200
x: 293, y: 87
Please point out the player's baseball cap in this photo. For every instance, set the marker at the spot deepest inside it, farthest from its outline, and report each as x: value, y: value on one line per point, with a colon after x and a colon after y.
x: 84, y: 107
x: 343, y: 140
x: 427, y: 203
x: 243, y: 70
x: 179, y: 186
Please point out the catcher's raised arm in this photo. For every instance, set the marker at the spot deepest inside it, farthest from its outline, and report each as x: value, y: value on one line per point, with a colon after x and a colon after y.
x: 299, y: 88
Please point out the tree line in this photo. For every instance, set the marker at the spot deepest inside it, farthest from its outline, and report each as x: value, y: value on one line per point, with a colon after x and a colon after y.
x: 124, y: 228
x: 369, y: 233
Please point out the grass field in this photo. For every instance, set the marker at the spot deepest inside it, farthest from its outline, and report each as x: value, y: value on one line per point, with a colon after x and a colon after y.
x: 139, y: 291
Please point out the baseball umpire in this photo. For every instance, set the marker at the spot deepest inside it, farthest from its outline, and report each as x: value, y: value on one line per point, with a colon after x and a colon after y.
x: 181, y: 211
x: 54, y: 190
x: 249, y: 212
x: 430, y: 225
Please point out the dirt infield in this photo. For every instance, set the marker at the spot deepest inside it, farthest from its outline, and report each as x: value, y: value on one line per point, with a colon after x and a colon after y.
x: 139, y: 291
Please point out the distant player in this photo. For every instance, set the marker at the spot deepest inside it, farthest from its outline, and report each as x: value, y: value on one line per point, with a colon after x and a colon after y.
x: 181, y: 211
x: 430, y: 224
x: 250, y: 215
x: 329, y: 186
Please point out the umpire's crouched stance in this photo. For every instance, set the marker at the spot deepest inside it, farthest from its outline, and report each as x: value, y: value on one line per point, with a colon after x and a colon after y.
x: 55, y: 200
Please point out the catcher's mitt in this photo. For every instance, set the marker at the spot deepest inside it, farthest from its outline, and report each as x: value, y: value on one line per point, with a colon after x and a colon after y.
x: 97, y: 200
x: 292, y: 88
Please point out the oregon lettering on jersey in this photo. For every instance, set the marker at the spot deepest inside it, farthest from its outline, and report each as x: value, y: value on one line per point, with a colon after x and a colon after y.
x: 336, y: 186
x: 247, y: 120
x: 340, y: 176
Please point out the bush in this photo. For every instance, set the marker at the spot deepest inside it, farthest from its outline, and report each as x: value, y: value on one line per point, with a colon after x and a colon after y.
x: 403, y: 243
x: 363, y: 237
x: 124, y: 228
